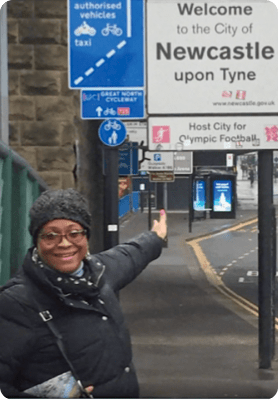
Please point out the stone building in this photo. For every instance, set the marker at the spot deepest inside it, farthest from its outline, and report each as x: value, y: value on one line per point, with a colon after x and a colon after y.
x: 44, y: 114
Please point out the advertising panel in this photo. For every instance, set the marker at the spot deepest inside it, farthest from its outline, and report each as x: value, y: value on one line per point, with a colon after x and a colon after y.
x: 199, y: 202
x: 222, y: 196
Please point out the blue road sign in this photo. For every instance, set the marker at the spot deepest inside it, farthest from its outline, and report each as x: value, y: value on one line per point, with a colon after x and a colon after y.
x: 125, y: 159
x: 106, y: 43
x: 112, y: 132
x: 128, y: 159
x: 123, y: 104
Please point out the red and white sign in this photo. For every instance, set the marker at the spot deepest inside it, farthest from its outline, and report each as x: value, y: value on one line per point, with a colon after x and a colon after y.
x: 161, y: 134
x: 214, y: 133
x: 123, y: 110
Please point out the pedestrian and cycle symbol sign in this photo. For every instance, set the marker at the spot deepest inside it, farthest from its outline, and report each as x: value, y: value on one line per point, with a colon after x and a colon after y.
x: 112, y: 132
x: 101, y: 104
x: 106, y: 43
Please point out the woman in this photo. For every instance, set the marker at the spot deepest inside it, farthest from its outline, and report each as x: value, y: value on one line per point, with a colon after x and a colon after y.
x: 62, y: 331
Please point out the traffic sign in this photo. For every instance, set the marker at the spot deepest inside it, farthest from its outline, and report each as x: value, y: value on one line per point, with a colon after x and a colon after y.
x: 213, y: 133
x: 212, y: 57
x: 183, y: 162
x: 112, y: 132
x: 158, y: 161
x: 128, y: 159
x: 106, y: 43
x: 124, y: 104
x: 137, y: 131
x: 162, y: 176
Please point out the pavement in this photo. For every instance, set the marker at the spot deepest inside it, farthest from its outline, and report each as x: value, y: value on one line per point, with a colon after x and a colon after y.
x: 189, y: 339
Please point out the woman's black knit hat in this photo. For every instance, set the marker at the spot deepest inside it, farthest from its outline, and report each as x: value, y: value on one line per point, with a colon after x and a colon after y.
x: 59, y: 204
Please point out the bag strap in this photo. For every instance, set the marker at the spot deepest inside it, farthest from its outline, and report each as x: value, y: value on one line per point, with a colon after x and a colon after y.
x: 47, y: 317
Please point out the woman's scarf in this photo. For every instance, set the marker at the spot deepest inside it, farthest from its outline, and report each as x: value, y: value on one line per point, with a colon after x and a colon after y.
x: 62, y: 284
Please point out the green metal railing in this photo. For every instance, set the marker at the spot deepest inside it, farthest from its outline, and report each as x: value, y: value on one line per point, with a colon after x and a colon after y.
x: 20, y: 185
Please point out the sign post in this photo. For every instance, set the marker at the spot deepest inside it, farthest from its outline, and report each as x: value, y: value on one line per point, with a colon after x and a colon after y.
x: 266, y: 274
x: 111, y: 203
x: 112, y: 133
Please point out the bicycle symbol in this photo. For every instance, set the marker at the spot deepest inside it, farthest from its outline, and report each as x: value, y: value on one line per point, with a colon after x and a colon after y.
x: 112, y: 125
x: 114, y: 29
x: 110, y: 111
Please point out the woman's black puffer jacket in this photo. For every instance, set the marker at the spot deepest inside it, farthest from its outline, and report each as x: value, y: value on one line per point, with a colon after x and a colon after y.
x: 95, y: 337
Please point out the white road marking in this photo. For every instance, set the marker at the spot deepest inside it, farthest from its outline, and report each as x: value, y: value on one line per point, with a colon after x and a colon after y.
x: 89, y: 72
x: 122, y: 44
x: 100, y: 62
x: 78, y: 80
x: 111, y: 53
x: 128, y: 18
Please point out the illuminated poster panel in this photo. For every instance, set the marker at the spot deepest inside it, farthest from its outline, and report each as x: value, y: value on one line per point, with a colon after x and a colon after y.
x: 199, y: 203
x: 222, y: 196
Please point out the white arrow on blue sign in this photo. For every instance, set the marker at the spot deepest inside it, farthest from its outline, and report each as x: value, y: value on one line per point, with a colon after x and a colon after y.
x: 117, y: 103
x: 112, y: 132
x: 106, y: 43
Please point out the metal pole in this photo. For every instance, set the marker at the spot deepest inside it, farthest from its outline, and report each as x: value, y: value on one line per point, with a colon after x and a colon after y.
x: 274, y: 255
x: 190, y: 205
x: 150, y: 208
x: 141, y: 200
x: 111, y: 202
x: 4, y: 91
x: 266, y: 306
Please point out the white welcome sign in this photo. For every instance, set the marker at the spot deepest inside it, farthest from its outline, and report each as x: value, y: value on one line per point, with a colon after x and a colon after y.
x: 212, y: 57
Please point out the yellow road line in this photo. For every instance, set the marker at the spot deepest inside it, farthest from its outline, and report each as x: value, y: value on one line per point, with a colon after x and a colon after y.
x: 216, y: 280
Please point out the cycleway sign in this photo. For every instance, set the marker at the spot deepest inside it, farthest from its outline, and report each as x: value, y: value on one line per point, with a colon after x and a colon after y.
x: 106, y: 43
x: 101, y: 104
x: 112, y: 132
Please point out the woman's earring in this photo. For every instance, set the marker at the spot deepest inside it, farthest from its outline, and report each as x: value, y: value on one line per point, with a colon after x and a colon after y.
x: 35, y: 255
x: 88, y: 256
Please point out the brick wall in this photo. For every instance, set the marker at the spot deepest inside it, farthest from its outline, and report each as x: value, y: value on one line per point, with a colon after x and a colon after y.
x: 44, y: 112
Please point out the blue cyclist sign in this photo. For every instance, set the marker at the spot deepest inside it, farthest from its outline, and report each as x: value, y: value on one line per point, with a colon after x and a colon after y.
x: 112, y: 132
x: 106, y: 43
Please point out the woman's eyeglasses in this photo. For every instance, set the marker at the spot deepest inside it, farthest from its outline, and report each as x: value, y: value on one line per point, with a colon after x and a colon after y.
x: 74, y: 237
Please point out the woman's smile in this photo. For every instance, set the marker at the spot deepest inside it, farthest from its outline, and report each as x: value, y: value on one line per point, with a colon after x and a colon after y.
x: 67, y: 256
